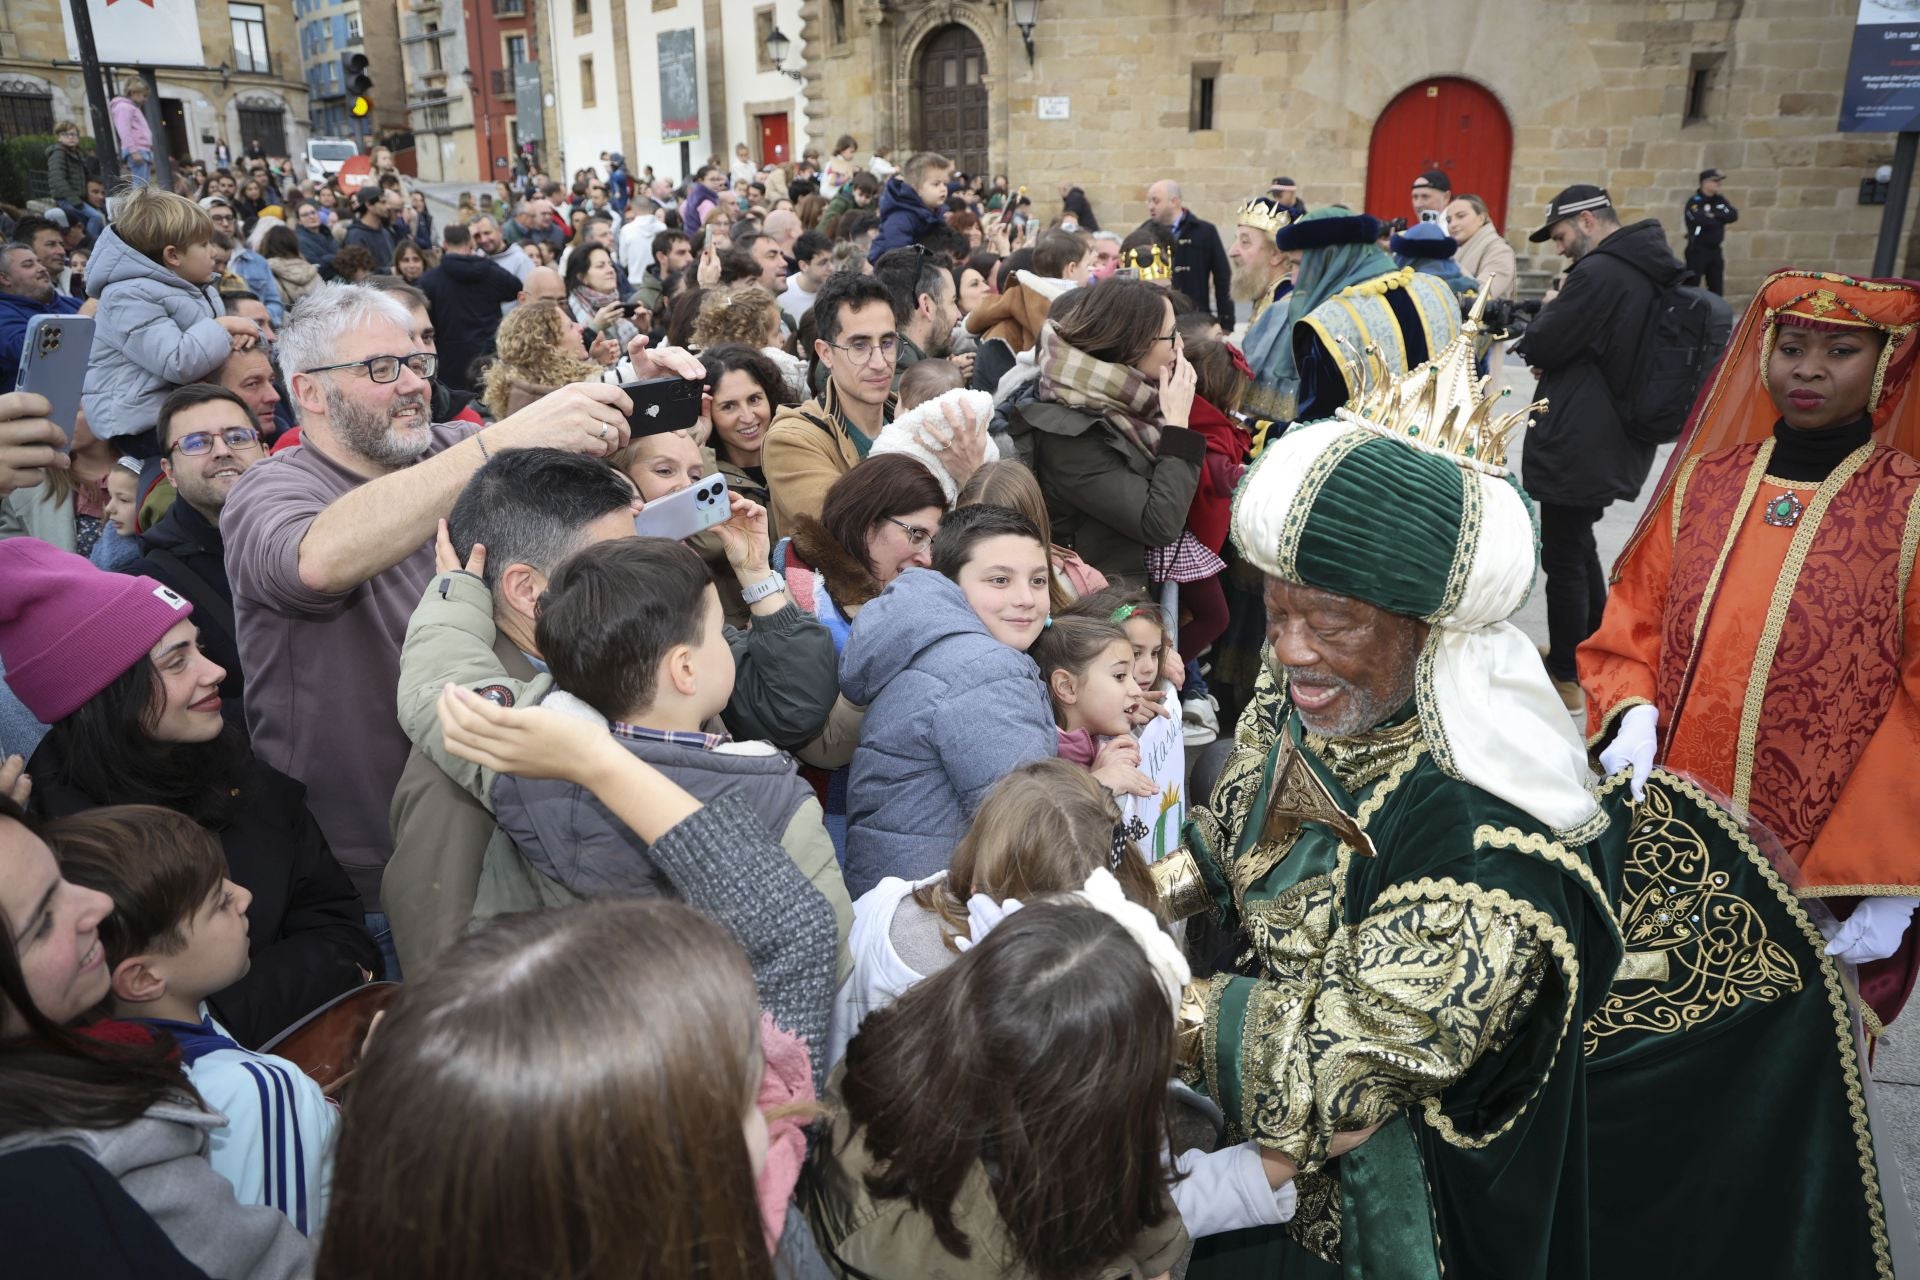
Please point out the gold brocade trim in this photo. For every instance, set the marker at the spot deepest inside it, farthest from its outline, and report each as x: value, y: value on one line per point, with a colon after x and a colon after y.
x: 1776, y: 623
x: 1680, y: 490
x: 1837, y: 1001
x: 1587, y: 832
x: 1545, y: 927
x: 1909, y: 546
x: 1364, y: 757
x: 1781, y: 482
x: 1609, y: 720
x: 1488, y: 835
x: 1427, y: 698
x: 1286, y: 555
x: 1379, y: 285
x: 1754, y: 474
x: 1871, y: 1021
x: 1210, y: 1040
x: 1389, y: 784
x: 1859, y: 891
x: 1472, y: 502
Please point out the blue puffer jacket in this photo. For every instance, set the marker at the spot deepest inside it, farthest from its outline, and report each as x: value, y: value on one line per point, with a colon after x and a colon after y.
x: 950, y: 711
x: 904, y: 218
x: 154, y: 331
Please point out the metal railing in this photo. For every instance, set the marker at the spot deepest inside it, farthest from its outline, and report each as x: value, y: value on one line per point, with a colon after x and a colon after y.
x: 244, y: 62
x: 509, y: 8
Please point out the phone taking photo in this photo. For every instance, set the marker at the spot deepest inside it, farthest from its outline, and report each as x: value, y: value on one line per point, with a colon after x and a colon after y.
x: 663, y: 404
x: 686, y: 512
x: 53, y: 363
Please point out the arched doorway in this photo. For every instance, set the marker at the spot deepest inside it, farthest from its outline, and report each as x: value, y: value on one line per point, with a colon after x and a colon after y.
x: 1449, y: 124
x: 951, y: 92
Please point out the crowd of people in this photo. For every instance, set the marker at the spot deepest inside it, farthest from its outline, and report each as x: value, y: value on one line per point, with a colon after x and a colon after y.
x: 773, y: 900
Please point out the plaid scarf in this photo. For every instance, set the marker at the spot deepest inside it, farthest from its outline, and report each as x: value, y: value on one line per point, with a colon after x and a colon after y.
x: 1117, y: 393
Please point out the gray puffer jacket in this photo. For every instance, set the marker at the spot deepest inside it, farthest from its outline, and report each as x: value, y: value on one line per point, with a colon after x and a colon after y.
x: 951, y: 711
x: 161, y: 1161
x: 154, y: 331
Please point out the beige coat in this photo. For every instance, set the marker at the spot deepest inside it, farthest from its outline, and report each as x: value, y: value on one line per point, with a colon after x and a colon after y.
x: 296, y: 277
x: 1489, y: 259
x: 807, y: 449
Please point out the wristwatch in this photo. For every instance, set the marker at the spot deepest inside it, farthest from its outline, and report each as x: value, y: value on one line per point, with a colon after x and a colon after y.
x: 760, y: 590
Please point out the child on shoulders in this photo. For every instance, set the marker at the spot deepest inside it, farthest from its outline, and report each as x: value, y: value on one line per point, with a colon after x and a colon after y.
x: 176, y: 935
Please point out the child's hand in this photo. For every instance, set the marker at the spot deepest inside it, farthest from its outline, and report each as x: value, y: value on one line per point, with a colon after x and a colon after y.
x: 1125, y: 780
x: 1173, y: 668
x: 528, y: 742
x: 1154, y: 703
x: 447, y: 560
x: 1123, y: 750
x: 240, y: 331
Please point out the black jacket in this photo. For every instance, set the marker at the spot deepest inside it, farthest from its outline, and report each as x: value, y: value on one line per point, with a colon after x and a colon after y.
x: 377, y: 241
x: 1584, y: 342
x: 192, y: 561
x: 62, y: 1214
x: 1199, y: 258
x: 464, y: 296
x: 1707, y: 218
x: 306, y: 927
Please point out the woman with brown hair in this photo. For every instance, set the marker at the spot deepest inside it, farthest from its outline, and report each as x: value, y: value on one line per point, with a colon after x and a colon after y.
x: 878, y: 520
x: 973, y: 1135
x: 743, y: 390
x: 1009, y: 484
x: 293, y: 273
x: 410, y: 261
x: 537, y: 350
x: 1108, y: 436
x: 810, y: 210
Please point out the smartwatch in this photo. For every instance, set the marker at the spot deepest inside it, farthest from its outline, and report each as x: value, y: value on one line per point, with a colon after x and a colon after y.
x: 760, y: 590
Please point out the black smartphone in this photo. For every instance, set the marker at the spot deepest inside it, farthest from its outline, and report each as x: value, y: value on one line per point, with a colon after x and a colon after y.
x: 663, y: 404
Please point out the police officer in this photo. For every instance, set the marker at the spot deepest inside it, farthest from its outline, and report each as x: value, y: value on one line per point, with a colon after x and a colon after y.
x: 1708, y: 214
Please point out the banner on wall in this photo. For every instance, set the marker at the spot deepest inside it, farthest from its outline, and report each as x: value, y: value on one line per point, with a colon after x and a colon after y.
x: 679, y: 87
x: 140, y: 33
x: 1882, y: 93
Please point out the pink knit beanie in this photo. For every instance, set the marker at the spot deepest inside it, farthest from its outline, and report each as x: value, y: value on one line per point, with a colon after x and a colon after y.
x: 68, y: 629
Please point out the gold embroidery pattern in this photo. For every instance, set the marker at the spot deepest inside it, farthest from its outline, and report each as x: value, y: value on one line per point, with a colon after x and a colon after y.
x: 1676, y: 907
x: 1210, y: 1035
x: 1286, y: 555
x: 1543, y: 927
x: 1401, y: 1007
x: 1909, y: 545
x: 1428, y: 701
x: 1752, y: 486
x: 1291, y: 932
x: 1489, y: 836
x: 1776, y: 622
x: 1838, y: 1003
x: 1316, y: 1215
x: 1365, y: 757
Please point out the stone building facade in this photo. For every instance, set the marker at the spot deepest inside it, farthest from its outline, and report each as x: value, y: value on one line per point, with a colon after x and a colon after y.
x: 1349, y: 96
x: 251, y: 86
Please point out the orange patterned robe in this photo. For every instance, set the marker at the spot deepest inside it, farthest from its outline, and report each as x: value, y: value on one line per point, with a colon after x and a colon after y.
x: 1785, y: 662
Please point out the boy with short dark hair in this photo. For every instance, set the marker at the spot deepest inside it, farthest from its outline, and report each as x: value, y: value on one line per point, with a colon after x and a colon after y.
x: 911, y: 203
x: 178, y: 934
x: 632, y: 631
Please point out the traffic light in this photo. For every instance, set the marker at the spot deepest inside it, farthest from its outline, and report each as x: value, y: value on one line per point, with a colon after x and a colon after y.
x: 359, y: 84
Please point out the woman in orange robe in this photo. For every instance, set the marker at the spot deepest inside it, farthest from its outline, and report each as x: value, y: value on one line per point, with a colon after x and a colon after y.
x: 1763, y: 635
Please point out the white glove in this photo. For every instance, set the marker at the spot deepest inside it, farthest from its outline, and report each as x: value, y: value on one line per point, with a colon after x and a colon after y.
x: 1633, y: 745
x: 1873, y: 931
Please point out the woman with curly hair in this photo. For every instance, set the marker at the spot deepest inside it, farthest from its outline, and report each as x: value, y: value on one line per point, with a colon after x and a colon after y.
x: 537, y: 350
x: 748, y: 314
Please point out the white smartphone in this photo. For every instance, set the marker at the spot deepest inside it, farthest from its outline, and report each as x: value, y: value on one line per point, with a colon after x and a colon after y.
x: 686, y: 512
x: 53, y: 363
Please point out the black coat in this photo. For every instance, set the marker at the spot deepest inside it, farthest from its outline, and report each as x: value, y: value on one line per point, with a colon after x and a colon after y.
x: 306, y: 927
x: 464, y: 296
x: 1584, y: 342
x: 1200, y: 259
x: 192, y: 562
x: 62, y: 1214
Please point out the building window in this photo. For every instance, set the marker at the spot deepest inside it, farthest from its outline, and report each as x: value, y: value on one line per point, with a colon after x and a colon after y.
x: 509, y: 8
x: 435, y: 60
x: 1200, y: 100
x: 762, y: 28
x: 583, y: 9
x: 249, y: 26
x: 1701, y: 78
x: 24, y: 108
x: 587, y: 95
x: 836, y: 22
x: 516, y: 52
x: 353, y: 28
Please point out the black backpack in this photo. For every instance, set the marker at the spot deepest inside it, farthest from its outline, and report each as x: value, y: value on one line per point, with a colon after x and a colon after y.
x: 1686, y: 330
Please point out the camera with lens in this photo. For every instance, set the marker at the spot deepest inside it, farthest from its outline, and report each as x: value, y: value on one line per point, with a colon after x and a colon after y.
x: 1507, y: 318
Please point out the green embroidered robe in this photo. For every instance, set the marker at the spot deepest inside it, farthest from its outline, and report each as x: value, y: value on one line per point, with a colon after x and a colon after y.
x: 1437, y: 989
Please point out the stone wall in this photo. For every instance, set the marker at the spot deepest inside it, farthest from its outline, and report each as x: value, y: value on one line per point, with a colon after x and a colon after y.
x: 1595, y: 92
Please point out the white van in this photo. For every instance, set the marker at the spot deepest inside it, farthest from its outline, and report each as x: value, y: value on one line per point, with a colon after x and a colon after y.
x: 326, y: 155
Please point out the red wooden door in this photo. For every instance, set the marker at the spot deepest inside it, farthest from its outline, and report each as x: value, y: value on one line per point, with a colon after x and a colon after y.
x: 773, y: 139
x: 1448, y: 124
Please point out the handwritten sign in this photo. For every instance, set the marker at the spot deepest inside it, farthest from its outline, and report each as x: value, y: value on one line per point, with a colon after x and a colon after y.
x: 1154, y: 821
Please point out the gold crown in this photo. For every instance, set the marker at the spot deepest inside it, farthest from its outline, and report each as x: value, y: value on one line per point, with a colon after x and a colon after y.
x: 1263, y: 214
x: 1150, y: 261
x: 1441, y: 406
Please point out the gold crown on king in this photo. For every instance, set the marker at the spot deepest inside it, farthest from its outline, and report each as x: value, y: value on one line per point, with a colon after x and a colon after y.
x: 1150, y: 261
x: 1263, y: 214
x: 1441, y: 406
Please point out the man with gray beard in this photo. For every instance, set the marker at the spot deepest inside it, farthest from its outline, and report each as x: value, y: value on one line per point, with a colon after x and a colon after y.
x: 329, y: 545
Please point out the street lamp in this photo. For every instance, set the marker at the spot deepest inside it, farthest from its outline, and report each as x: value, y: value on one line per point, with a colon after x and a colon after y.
x: 778, y: 47
x: 1025, y: 14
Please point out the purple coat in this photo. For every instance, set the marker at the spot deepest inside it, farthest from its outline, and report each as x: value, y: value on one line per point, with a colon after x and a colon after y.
x: 130, y: 126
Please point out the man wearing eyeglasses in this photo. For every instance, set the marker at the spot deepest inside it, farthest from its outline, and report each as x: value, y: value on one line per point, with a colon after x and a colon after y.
x: 330, y: 545
x: 208, y: 438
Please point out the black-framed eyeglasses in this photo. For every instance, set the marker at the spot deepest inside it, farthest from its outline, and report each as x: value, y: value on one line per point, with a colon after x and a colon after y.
x: 916, y: 536
x: 1169, y: 336
x: 196, y: 442
x: 387, y: 368
x: 862, y: 349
